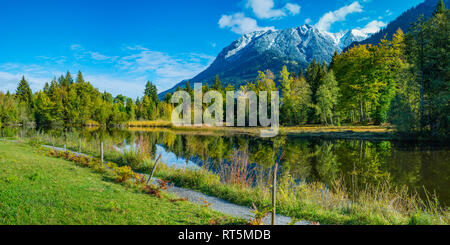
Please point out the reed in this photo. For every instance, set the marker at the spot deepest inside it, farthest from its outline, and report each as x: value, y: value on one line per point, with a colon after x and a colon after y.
x: 149, y: 124
x: 380, y: 204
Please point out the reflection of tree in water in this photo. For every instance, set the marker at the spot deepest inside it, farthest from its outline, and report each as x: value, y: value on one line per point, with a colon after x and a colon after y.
x: 358, y: 163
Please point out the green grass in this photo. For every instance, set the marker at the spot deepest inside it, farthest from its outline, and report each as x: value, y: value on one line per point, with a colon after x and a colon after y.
x: 40, y: 190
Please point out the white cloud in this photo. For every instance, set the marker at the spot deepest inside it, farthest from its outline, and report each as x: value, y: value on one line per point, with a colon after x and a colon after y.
x: 240, y: 24
x: 168, y: 70
x: 81, y: 53
x: 98, y: 56
x: 76, y: 47
x: 264, y: 9
x: 307, y: 21
x: 372, y: 27
x: 294, y: 9
x: 338, y: 15
x: 104, y: 82
x: 133, y: 68
x: 131, y: 87
x: 10, y: 79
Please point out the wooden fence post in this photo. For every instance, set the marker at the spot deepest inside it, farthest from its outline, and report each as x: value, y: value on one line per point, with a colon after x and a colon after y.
x: 274, y: 194
x: 79, y: 145
x: 65, y: 140
x: 154, y: 167
x: 274, y: 188
x: 101, y: 151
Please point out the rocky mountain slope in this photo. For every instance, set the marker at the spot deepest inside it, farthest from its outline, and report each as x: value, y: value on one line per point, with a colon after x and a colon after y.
x: 258, y: 51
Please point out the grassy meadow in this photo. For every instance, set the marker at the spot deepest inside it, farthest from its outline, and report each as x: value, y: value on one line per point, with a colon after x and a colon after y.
x: 40, y: 190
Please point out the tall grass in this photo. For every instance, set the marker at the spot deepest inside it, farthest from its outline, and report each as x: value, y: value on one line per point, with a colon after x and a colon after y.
x: 380, y: 204
x: 237, y: 172
x: 149, y: 124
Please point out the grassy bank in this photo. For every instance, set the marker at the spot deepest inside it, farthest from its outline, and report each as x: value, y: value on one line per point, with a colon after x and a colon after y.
x: 37, y: 189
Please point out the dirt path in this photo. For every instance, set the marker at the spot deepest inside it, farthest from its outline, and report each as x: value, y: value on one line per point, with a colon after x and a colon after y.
x: 215, y: 203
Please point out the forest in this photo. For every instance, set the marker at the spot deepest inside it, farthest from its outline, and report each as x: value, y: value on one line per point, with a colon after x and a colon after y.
x: 402, y: 82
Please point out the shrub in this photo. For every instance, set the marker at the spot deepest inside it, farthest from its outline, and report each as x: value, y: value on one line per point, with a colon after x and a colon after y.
x: 123, y: 173
x: 132, y: 158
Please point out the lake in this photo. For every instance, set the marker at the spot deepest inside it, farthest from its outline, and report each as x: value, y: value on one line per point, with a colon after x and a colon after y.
x: 356, y: 163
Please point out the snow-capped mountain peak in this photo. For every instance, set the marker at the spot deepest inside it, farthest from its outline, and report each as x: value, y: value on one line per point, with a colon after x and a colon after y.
x: 240, y: 62
x: 294, y: 41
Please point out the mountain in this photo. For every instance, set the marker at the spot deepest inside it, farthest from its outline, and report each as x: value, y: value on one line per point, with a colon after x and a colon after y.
x: 404, y: 21
x: 258, y: 51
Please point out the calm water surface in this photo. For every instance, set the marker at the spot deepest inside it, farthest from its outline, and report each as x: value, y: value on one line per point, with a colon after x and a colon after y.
x: 358, y: 163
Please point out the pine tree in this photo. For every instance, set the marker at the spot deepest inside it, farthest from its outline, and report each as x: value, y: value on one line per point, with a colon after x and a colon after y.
x: 218, y: 84
x: 68, y: 79
x: 168, y: 98
x: 440, y: 8
x: 80, y: 78
x: 46, y: 88
x: 24, y: 93
x: 189, y: 90
x: 427, y: 49
x: 151, y: 92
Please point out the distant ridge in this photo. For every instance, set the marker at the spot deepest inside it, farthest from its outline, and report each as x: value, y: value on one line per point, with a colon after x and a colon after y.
x: 404, y: 22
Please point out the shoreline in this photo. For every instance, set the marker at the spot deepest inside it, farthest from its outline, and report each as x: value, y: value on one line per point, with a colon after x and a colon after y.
x: 375, y: 133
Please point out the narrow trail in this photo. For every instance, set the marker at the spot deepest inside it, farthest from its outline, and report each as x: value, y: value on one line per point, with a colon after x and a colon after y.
x: 215, y: 203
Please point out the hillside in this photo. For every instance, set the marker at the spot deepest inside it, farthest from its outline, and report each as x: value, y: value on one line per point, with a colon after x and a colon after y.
x: 403, y: 22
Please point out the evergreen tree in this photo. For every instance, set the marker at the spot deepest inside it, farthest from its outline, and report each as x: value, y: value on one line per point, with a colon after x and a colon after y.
x: 218, y: 84
x: 130, y: 109
x: 440, y: 8
x: 427, y: 49
x: 68, y: 79
x: 46, y: 88
x: 168, y: 98
x: 44, y: 110
x: 189, y: 90
x: 151, y: 91
x: 24, y: 93
x: 9, y: 110
x: 80, y: 78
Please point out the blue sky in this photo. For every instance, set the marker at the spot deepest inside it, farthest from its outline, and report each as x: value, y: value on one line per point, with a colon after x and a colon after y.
x: 119, y: 45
